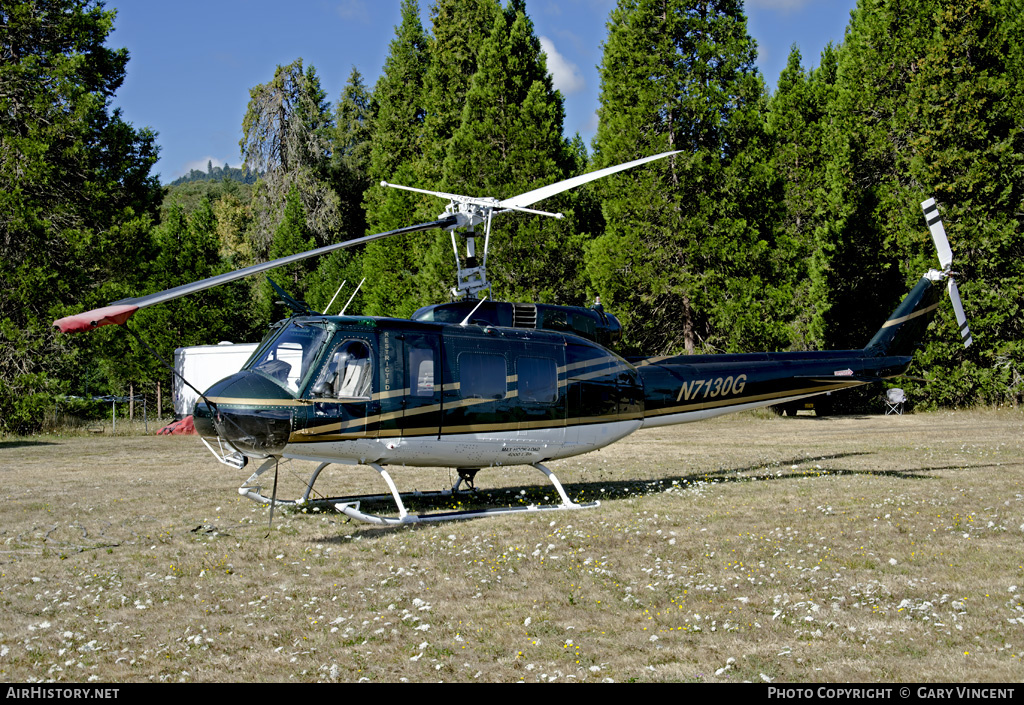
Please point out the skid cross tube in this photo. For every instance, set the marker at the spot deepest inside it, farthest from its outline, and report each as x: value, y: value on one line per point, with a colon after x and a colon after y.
x: 352, y: 510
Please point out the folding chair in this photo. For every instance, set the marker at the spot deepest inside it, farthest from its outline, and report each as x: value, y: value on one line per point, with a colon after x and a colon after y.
x: 894, y: 401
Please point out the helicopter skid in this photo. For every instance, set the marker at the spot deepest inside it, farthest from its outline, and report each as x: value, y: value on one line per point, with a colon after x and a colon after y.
x: 351, y: 509
x: 350, y: 506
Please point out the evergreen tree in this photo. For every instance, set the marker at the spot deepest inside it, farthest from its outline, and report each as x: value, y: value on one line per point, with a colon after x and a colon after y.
x: 76, y: 195
x: 460, y: 28
x: 397, y: 144
x: 510, y: 141
x: 685, y: 256
x: 287, y: 134
x: 188, y: 250
x: 351, y: 153
x: 928, y: 104
x: 967, y: 106
x: 234, y: 215
x: 855, y: 272
x: 291, y: 237
x: 416, y: 120
x: 398, y: 105
x: 796, y: 119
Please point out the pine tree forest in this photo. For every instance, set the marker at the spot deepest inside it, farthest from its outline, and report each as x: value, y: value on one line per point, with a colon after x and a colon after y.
x: 789, y: 219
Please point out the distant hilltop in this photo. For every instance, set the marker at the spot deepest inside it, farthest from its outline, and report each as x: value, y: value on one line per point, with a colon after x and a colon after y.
x: 218, y: 173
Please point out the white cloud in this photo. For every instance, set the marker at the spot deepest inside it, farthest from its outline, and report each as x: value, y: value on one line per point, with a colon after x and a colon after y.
x: 564, y: 74
x: 352, y: 10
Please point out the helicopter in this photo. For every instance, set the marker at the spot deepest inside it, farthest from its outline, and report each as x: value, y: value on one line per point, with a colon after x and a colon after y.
x: 477, y: 383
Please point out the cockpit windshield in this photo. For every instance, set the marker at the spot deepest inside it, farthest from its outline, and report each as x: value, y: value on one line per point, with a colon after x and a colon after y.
x: 288, y: 358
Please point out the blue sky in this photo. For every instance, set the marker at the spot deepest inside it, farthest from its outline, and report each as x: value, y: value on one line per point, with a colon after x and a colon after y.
x: 193, y: 63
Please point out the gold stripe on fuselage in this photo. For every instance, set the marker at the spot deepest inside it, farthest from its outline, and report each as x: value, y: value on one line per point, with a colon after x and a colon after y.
x: 739, y: 401
x: 903, y: 319
x: 336, y: 431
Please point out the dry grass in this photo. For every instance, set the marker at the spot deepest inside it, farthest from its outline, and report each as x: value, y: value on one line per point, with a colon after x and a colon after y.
x: 745, y: 548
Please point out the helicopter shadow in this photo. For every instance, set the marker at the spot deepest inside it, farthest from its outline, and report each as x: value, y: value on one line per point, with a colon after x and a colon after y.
x: 607, y: 490
x: 22, y: 443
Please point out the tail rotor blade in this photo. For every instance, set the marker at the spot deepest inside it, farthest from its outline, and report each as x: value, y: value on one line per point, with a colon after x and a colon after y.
x: 958, y: 309
x: 931, y: 215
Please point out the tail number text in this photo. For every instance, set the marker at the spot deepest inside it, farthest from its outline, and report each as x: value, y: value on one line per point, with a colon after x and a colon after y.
x: 710, y: 388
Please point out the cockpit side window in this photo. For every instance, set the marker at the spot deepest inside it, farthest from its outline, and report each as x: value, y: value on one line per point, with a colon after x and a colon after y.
x: 288, y: 357
x: 347, y: 374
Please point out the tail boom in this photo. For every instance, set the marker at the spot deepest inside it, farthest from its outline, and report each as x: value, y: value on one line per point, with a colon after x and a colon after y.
x: 687, y: 388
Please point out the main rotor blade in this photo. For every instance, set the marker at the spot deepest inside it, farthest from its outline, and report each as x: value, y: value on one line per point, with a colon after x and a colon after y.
x: 934, y: 220
x: 120, y: 311
x: 531, y: 197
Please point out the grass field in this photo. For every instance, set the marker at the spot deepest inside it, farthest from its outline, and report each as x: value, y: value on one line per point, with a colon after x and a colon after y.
x: 748, y: 548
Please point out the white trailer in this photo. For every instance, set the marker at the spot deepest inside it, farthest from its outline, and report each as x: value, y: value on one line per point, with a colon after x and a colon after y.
x: 202, y: 365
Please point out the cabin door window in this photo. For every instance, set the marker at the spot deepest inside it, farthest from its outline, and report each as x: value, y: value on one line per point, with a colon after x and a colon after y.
x: 348, y: 374
x: 420, y: 404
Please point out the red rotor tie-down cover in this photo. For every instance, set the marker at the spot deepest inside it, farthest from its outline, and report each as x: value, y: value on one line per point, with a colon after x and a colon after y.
x: 106, y: 316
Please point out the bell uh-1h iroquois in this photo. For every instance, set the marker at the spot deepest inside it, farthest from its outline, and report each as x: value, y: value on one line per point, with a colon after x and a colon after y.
x: 478, y: 383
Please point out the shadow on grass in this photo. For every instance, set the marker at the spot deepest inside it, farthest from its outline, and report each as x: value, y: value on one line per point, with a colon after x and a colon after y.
x: 605, y: 490
x: 24, y: 443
